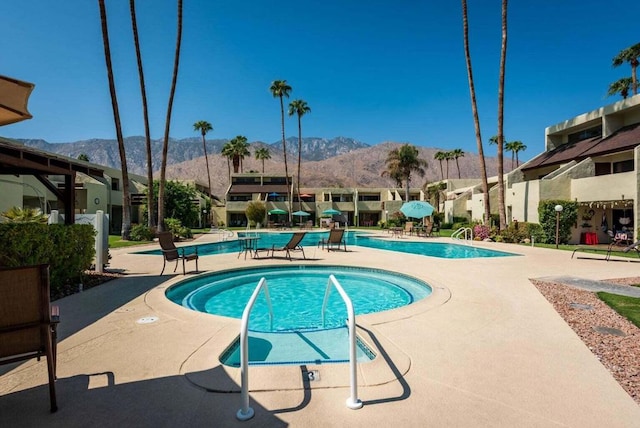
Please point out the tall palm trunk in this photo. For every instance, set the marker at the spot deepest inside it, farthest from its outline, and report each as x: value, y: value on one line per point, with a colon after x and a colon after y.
x: 476, y: 119
x: 206, y: 159
x: 126, y: 196
x: 299, y: 159
x: 151, y: 221
x: 503, y: 57
x: 284, y: 152
x: 165, y: 142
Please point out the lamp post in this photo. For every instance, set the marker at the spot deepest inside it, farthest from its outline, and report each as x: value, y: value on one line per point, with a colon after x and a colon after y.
x: 558, y: 209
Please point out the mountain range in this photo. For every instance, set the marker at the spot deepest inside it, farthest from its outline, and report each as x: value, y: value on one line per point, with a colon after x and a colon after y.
x: 336, y: 162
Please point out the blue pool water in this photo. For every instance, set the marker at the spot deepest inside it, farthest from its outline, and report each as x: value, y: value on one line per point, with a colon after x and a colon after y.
x: 297, y: 294
x: 311, y: 239
x: 296, y: 348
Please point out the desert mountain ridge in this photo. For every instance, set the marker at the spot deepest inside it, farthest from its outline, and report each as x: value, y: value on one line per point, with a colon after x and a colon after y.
x: 336, y: 162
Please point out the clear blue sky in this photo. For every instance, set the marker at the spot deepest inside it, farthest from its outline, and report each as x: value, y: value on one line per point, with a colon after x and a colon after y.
x: 372, y: 70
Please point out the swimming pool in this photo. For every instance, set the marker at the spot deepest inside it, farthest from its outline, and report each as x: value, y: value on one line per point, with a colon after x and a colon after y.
x: 297, y: 294
x: 447, y: 250
x: 296, y: 348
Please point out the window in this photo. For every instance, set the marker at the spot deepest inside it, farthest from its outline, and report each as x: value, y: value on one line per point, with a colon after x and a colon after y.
x: 596, y: 131
x: 603, y: 168
x: 239, y: 197
x: 375, y: 197
x: 623, y: 166
x: 115, y: 184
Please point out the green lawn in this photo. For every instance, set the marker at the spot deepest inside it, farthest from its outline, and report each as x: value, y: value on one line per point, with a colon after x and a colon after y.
x: 116, y: 242
x: 628, y: 307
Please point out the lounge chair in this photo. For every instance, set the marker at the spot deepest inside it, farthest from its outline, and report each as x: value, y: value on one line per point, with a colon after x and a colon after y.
x: 28, y: 323
x: 292, y: 245
x: 633, y: 247
x: 170, y: 252
x: 334, y: 241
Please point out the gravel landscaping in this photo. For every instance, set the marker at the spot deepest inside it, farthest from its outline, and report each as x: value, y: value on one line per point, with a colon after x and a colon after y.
x: 611, y: 337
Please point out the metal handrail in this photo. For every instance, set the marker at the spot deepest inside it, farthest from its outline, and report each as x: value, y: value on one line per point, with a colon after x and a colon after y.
x: 245, y: 413
x: 466, y: 231
x: 352, y: 402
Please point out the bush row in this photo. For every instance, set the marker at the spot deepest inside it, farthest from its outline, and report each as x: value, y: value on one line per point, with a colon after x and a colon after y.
x: 68, y: 249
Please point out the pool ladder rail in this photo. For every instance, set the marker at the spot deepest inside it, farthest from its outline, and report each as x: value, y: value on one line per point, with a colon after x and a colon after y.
x: 463, y: 234
x: 246, y: 412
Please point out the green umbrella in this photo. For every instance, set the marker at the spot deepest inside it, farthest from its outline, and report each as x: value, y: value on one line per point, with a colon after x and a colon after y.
x: 331, y: 211
x: 277, y: 211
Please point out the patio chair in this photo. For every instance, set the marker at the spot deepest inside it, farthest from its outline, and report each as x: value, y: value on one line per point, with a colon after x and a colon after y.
x: 334, y: 241
x: 408, y: 228
x: 428, y: 231
x: 28, y: 323
x: 170, y: 252
x: 292, y: 245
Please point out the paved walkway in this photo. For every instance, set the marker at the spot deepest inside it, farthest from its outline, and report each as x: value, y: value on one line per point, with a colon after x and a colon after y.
x: 485, y: 350
x: 595, y: 286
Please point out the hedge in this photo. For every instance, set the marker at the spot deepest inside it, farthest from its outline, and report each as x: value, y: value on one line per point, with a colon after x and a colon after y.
x: 68, y: 249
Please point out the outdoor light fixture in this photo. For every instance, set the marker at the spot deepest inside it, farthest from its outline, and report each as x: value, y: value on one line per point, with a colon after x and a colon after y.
x: 558, y: 209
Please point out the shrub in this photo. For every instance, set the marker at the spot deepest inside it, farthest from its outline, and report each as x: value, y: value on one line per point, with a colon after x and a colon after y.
x: 547, y: 216
x: 141, y: 232
x: 256, y: 212
x: 68, y: 249
x: 177, y: 229
x: 517, y: 232
x: 481, y: 232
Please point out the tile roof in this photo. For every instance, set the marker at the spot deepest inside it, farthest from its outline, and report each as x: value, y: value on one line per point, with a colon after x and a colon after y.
x: 623, y: 139
x: 256, y: 188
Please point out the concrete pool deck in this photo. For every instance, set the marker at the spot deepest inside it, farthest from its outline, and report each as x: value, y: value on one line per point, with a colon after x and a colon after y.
x: 486, y: 349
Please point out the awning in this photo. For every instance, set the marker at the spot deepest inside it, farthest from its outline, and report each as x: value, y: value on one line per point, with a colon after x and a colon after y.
x: 14, y: 95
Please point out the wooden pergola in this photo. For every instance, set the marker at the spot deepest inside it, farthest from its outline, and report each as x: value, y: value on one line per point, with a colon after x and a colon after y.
x: 17, y: 159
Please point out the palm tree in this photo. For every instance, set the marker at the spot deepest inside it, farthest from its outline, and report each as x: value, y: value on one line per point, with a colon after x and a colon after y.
x: 165, y: 143
x: 517, y: 146
x: 145, y: 114
x: 402, y: 162
x: 447, y: 157
x: 440, y: 156
x: 457, y: 153
x: 203, y: 126
x: 509, y: 147
x: 227, y: 152
x: 280, y: 89
x: 620, y: 86
x: 476, y: 119
x: 126, y: 196
x: 239, y: 149
x: 300, y: 108
x: 503, y: 60
x: 262, y: 154
x: 632, y: 56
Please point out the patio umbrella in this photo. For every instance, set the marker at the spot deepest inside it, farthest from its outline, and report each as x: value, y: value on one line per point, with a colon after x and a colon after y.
x: 416, y: 209
x: 14, y: 95
x: 273, y: 194
x: 302, y: 213
x: 277, y: 211
x: 331, y: 211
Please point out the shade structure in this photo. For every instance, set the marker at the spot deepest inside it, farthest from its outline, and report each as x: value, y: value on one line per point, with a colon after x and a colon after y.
x: 331, y: 211
x: 417, y: 209
x: 14, y: 95
x: 273, y: 194
x: 277, y: 211
x: 302, y: 213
